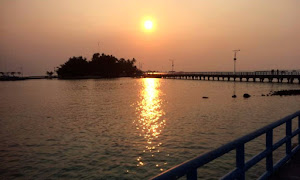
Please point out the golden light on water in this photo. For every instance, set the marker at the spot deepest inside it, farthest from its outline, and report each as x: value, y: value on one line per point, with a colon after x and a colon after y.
x: 150, y: 121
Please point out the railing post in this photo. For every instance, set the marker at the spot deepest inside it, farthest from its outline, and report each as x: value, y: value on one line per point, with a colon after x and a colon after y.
x: 240, y: 161
x: 289, y: 136
x: 192, y: 175
x: 269, y: 147
x: 299, y: 128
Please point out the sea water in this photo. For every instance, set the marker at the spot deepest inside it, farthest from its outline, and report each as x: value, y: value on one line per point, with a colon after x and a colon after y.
x: 131, y: 128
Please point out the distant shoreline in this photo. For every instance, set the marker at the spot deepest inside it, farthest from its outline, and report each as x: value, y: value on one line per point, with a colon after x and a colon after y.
x: 17, y: 78
x: 94, y: 77
x: 62, y: 78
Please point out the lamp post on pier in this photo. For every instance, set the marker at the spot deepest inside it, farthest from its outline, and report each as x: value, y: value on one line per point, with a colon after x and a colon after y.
x: 234, y: 59
x: 172, y: 64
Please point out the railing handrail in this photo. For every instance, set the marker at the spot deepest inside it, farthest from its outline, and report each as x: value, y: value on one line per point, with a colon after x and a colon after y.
x: 189, y: 167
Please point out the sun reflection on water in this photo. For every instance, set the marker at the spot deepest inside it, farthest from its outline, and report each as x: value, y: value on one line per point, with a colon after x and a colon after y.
x: 150, y: 122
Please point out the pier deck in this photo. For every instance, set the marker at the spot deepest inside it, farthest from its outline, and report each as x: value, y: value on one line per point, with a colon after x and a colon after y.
x: 291, y: 170
x: 257, y: 76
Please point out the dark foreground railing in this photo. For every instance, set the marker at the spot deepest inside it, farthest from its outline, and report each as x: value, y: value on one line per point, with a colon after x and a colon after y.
x: 189, y: 168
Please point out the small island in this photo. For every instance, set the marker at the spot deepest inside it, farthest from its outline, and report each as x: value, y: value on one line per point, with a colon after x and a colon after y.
x: 100, y: 66
x: 286, y: 92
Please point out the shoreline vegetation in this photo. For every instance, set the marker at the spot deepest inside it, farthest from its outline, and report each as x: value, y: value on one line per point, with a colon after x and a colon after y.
x: 100, y: 66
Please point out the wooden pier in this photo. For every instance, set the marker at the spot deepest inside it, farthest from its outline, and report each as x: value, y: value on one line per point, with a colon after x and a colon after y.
x: 257, y: 76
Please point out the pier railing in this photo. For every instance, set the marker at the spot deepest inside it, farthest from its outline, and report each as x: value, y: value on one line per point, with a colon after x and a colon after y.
x: 255, y: 73
x: 189, y: 168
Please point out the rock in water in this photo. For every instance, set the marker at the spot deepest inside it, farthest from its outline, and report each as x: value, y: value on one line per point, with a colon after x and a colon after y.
x: 234, y: 96
x: 246, y: 95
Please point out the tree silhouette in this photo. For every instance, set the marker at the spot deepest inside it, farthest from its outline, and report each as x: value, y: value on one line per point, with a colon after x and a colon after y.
x: 103, y: 65
x: 49, y: 74
x: 75, y: 66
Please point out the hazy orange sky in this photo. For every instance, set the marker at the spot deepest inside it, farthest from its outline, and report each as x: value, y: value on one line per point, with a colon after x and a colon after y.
x: 199, y: 35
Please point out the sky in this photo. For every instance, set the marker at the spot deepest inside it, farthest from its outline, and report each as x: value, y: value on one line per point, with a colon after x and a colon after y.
x: 199, y: 35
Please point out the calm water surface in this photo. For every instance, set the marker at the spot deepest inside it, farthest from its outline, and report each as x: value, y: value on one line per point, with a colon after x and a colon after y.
x: 128, y: 128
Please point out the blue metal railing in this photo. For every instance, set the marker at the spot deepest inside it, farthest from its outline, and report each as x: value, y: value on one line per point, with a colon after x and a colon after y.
x: 189, y: 168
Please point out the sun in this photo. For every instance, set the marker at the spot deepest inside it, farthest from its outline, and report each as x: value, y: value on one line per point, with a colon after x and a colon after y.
x: 148, y: 24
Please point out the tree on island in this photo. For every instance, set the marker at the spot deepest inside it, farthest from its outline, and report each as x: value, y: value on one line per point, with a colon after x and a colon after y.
x: 106, y: 66
x: 49, y: 74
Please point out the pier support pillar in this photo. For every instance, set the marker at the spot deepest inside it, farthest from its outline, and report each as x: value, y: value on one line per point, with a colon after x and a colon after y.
x: 262, y: 79
x: 270, y: 79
